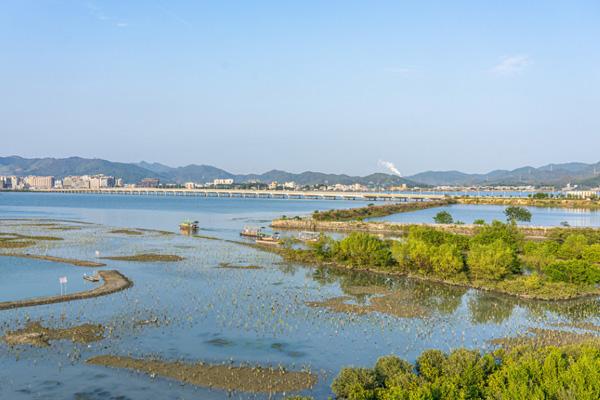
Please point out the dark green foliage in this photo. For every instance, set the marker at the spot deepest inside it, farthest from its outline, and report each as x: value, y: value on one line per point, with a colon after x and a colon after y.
x: 443, y: 217
x: 573, y: 271
x: 525, y: 373
x: 541, y: 196
x: 516, y: 213
x: 508, y: 233
x: 429, y: 364
x: 389, y: 367
x: 492, y: 261
x: 362, y: 249
x: 479, y: 222
x: 355, y: 383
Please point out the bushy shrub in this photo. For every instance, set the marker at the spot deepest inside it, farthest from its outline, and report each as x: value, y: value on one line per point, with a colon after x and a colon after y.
x: 573, y: 271
x: 571, y: 372
x: 491, y: 261
x: 388, y: 367
x: 443, y: 217
x: 447, y: 260
x: 430, y: 363
x: 497, y: 230
x: 362, y: 249
x: 573, y: 247
x: 592, y: 253
x: 354, y: 381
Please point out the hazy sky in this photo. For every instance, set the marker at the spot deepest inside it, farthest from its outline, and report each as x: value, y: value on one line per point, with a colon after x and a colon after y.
x: 333, y: 86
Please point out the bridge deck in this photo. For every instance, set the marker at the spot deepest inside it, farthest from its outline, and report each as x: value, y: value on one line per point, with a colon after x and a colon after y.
x: 245, y: 193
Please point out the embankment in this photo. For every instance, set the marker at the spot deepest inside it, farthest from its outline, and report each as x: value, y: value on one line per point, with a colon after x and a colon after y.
x: 388, y: 228
x: 531, y: 202
x: 114, y: 281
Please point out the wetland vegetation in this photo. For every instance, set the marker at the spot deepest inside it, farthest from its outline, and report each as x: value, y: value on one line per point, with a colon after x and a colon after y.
x: 497, y: 257
x: 568, y: 372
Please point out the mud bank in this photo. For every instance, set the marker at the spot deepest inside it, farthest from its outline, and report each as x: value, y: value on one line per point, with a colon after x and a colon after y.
x: 35, y: 334
x: 113, y: 281
x: 71, y: 261
x: 148, y: 257
x: 220, y: 376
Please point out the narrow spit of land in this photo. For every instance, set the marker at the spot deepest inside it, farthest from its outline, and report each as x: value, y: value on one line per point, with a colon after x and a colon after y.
x: 71, y: 261
x: 254, y: 379
x: 373, y: 211
x: 114, y: 281
x: 398, y: 228
x: 146, y: 257
x: 591, y: 204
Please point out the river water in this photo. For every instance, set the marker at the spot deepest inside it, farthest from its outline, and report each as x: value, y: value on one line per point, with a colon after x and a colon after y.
x: 211, y: 314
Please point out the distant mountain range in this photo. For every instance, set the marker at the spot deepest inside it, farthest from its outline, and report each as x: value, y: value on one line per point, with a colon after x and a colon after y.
x: 585, y: 175
x: 134, y: 172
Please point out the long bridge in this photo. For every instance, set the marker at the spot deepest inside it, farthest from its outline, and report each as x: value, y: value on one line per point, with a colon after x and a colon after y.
x: 262, y: 194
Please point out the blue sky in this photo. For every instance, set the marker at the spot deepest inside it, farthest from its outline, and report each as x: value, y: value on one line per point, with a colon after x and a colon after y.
x: 333, y: 86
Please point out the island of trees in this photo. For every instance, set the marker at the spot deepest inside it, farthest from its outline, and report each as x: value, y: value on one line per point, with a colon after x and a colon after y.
x: 495, y: 257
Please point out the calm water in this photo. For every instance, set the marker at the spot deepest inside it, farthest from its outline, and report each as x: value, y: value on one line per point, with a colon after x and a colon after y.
x: 468, y: 213
x: 219, y: 315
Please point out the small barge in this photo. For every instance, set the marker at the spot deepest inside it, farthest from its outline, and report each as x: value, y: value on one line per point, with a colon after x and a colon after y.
x: 188, y: 227
x: 92, y: 278
x: 251, y: 232
x: 273, y: 240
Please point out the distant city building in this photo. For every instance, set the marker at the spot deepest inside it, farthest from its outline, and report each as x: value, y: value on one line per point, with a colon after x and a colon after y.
x: 290, y: 185
x: 101, y: 181
x: 39, y: 182
x: 149, y: 183
x: 273, y: 185
x: 76, y: 182
x: 119, y: 182
x: 190, y: 185
x: 228, y: 181
x: 398, y: 188
x: 582, y: 194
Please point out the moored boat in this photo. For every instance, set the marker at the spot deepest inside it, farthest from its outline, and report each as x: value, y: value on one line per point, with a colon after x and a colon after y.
x: 92, y: 278
x: 188, y: 227
x: 269, y: 240
x: 252, y: 232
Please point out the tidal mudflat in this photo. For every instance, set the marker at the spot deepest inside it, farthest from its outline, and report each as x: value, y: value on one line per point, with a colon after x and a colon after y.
x: 195, y: 311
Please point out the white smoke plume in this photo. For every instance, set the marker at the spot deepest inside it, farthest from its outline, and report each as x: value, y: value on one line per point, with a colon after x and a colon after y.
x: 389, y: 166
